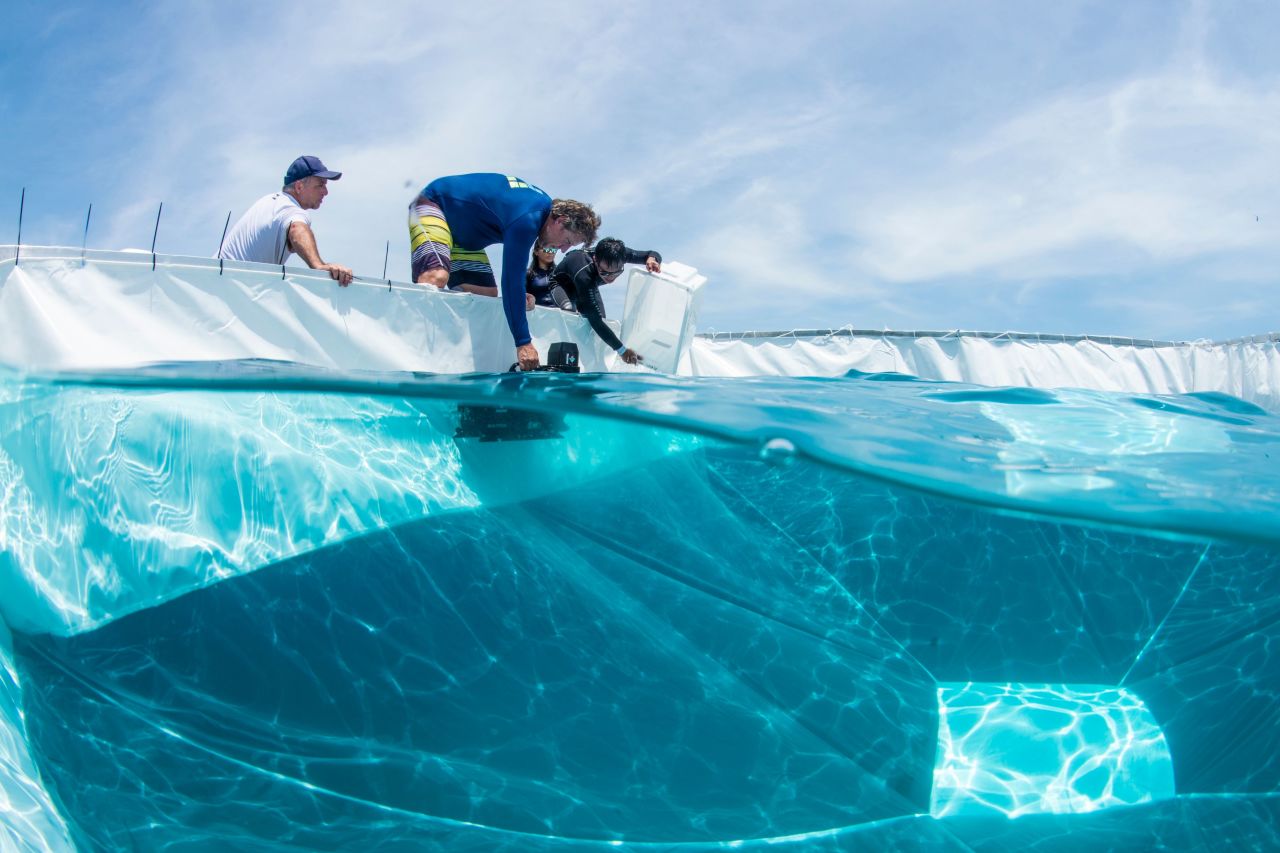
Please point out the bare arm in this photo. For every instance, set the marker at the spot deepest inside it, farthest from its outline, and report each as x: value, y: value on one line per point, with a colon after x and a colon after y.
x: 303, y: 242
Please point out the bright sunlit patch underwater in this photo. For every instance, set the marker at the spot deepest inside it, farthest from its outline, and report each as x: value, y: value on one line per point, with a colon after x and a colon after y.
x: 1021, y: 749
x: 253, y: 606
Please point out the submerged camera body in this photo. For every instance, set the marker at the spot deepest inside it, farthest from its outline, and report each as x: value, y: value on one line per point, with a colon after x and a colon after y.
x: 505, y: 423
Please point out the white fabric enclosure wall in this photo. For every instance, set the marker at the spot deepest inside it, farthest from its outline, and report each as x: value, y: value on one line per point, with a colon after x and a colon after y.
x: 112, y: 309
x: 1248, y: 368
x: 61, y: 309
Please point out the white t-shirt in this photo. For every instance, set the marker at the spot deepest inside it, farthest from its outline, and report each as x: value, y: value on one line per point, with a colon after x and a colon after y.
x: 262, y: 234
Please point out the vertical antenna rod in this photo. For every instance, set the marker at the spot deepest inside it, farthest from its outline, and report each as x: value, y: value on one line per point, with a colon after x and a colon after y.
x: 153, y: 237
x: 223, y: 241
x: 22, y: 205
x: 84, y: 242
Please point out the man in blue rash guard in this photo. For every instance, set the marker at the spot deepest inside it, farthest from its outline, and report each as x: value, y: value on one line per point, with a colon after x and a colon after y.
x: 453, y: 219
x: 576, y: 282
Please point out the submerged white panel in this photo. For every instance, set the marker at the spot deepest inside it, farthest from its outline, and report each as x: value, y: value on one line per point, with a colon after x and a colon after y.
x: 114, y: 500
x: 1018, y: 749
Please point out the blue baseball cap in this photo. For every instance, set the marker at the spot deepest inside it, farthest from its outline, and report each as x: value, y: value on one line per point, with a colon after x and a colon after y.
x: 306, y: 166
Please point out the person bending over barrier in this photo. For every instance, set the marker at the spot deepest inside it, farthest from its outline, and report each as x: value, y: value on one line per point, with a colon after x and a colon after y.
x: 278, y: 225
x: 578, y: 278
x: 454, y: 218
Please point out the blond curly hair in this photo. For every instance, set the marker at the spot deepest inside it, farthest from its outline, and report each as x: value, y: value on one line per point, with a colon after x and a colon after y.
x: 578, y: 218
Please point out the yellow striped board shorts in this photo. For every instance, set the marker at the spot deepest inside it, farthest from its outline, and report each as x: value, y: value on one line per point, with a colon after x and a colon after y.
x: 433, y: 248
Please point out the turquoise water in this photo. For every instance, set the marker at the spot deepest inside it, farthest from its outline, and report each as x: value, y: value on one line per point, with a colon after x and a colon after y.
x: 253, y: 607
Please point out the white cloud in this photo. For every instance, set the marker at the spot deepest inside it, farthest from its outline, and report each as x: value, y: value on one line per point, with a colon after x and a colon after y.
x: 1173, y: 166
x: 878, y: 164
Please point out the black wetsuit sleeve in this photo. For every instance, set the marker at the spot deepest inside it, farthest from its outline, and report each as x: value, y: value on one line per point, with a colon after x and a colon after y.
x: 589, y: 306
x: 565, y: 277
x: 635, y: 256
x: 576, y: 277
x: 568, y: 270
x: 561, y: 297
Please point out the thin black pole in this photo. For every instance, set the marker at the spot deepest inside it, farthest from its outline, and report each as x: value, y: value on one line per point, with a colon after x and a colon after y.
x: 153, y: 237
x: 22, y: 205
x: 224, y: 234
x: 85, y: 241
x: 385, y: 258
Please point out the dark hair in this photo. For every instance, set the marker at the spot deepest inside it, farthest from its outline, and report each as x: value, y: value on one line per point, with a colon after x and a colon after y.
x: 611, y: 250
x: 534, y: 266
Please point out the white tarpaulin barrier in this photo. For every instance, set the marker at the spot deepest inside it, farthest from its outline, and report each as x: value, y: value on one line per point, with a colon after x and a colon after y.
x: 1247, y: 368
x: 113, y: 310
x: 59, y: 310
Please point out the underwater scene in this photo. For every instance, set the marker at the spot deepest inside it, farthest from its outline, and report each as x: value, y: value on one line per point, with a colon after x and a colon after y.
x: 253, y: 606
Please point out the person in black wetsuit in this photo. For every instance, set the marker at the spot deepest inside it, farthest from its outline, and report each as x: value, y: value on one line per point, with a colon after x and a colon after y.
x: 575, y: 285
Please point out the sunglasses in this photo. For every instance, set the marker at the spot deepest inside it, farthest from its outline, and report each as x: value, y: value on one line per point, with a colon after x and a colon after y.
x: 609, y: 275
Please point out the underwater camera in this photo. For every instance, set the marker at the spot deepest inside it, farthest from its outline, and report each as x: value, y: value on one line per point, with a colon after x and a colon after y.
x: 562, y: 357
x: 503, y: 423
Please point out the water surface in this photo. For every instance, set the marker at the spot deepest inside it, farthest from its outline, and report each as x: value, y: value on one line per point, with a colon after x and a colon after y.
x: 250, y: 606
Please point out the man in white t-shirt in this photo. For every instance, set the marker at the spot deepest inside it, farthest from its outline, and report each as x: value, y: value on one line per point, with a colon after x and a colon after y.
x: 278, y: 225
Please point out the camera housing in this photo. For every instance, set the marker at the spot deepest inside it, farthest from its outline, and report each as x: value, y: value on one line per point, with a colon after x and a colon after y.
x: 562, y: 357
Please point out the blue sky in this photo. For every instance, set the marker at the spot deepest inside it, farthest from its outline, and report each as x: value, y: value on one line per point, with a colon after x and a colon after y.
x: 1074, y: 167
